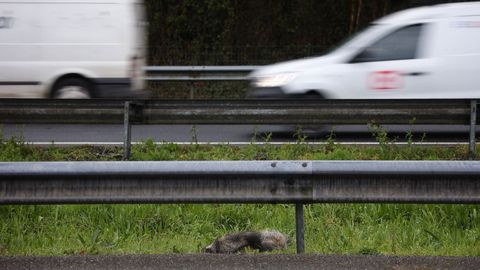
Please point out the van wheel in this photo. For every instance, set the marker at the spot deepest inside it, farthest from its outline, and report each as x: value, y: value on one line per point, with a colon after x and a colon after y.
x: 314, y: 130
x: 312, y: 94
x: 75, y: 88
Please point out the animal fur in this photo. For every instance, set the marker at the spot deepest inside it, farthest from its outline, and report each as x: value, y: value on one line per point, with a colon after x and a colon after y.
x: 260, y: 240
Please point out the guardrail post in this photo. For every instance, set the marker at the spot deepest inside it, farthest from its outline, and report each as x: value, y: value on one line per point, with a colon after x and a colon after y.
x: 473, y: 123
x: 127, y: 131
x: 300, y: 228
x: 192, y: 90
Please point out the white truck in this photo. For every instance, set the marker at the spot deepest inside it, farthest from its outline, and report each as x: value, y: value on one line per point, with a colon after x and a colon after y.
x: 426, y: 52
x: 71, y: 49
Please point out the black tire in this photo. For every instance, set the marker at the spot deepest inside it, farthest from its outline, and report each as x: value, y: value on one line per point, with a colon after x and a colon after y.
x: 313, y: 130
x: 74, y: 88
x: 312, y: 94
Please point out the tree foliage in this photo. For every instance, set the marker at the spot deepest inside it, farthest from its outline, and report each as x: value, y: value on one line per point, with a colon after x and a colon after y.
x: 256, y: 32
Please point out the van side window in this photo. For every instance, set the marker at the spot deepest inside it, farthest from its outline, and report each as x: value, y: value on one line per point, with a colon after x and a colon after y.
x: 399, y: 45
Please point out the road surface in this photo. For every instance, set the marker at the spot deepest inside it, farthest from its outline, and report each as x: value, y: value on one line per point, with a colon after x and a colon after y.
x: 113, y: 134
x: 233, y: 262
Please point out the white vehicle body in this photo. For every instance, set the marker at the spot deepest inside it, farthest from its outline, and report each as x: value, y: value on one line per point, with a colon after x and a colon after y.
x: 427, y: 52
x: 71, y: 49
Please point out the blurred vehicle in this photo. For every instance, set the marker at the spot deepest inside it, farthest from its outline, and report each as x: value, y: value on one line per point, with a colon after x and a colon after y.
x: 72, y: 49
x: 427, y: 52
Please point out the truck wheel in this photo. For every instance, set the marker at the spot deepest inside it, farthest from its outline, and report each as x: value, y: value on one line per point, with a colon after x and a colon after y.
x: 75, y: 88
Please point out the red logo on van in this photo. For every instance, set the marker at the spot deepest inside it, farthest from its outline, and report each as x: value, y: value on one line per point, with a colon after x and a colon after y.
x: 385, y: 80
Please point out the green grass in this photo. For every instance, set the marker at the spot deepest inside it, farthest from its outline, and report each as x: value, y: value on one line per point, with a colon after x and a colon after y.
x: 330, y: 228
x: 393, y: 229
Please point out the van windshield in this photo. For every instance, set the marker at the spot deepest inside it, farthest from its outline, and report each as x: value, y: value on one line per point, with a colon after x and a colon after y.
x: 357, y: 40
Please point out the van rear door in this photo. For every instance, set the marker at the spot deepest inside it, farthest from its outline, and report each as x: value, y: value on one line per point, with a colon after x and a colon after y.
x: 458, y: 49
x: 18, y: 35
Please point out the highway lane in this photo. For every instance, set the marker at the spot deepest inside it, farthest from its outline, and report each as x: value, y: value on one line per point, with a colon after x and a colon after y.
x: 236, y: 134
x: 234, y: 262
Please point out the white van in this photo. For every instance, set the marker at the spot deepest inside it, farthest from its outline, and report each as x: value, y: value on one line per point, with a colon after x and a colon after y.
x: 427, y: 52
x: 71, y: 49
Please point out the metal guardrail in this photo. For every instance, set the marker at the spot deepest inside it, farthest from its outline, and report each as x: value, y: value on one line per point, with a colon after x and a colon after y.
x: 240, y: 182
x: 308, y: 112
x: 298, y: 182
x: 283, y: 112
x: 198, y: 73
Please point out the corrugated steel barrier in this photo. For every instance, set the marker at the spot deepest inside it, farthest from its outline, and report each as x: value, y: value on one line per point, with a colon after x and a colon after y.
x: 283, y: 112
x: 198, y: 73
x: 240, y: 182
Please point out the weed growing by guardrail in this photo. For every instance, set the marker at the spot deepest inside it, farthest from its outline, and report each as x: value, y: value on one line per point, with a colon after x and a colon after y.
x: 15, y: 149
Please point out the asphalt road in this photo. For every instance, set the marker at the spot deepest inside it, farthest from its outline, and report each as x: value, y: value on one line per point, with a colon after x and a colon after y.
x: 233, y: 262
x: 113, y: 134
